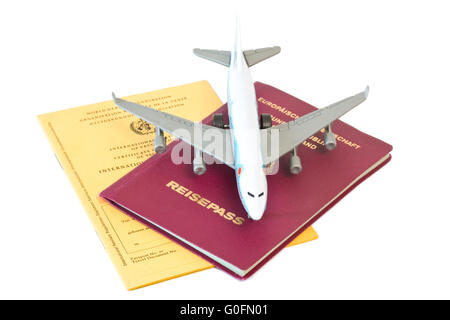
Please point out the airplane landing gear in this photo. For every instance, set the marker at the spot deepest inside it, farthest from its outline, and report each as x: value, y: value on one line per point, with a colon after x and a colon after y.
x: 265, y: 121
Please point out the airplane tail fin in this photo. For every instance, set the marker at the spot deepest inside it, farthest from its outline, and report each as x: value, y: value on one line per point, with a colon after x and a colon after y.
x: 237, y: 36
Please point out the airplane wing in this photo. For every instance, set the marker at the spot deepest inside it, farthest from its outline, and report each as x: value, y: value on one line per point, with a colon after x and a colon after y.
x: 211, y: 140
x: 292, y: 133
x: 251, y: 56
x: 258, y: 55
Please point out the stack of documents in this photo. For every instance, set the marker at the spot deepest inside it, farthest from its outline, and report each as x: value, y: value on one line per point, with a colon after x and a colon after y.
x: 204, y: 213
x: 98, y: 144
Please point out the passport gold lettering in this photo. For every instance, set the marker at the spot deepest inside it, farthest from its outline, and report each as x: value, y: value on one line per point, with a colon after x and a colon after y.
x: 348, y: 142
x: 205, y: 203
x: 278, y: 108
x: 213, y: 206
x: 173, y: 185
x: 230, y: 216
x: 181, y: 190
x: 220, y: 211
x: 195, y: 197
x: 309, y: 145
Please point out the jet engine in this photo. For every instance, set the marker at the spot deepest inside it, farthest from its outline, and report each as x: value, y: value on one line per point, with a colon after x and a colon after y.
x: 329, y: 138
x: 159, y: 144
x: 199, y: 166
x: 295, y: 164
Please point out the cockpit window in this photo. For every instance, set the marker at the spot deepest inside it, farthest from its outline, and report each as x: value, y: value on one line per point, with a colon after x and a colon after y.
x: 251, y: 194
x: 261, y: 194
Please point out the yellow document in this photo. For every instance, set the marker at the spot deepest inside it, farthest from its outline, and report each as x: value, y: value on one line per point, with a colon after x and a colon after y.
x: 99, y: 143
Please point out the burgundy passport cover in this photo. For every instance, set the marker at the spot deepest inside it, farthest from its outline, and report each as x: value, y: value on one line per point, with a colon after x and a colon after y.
x: 206, y: 210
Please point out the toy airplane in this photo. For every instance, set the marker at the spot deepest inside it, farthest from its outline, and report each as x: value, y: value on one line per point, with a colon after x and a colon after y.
x: 244, y: 133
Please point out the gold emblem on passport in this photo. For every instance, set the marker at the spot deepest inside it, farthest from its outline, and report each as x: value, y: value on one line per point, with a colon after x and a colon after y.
x: 140, y: 127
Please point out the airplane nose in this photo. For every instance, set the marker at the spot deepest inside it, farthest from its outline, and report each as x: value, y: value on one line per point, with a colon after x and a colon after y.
x: 256, y: 215
x: 256, y: 208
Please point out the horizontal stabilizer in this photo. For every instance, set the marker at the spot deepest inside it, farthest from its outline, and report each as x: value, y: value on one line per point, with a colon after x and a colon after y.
x: 258, y: 55
x: 224, y: 57
x: 221, y: 57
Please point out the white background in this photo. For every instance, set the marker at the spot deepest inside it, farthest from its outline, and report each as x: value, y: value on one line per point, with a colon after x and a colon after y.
x: 388, y: 239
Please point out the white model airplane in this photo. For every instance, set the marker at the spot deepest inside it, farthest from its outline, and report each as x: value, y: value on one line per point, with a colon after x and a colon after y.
x: 243, y: 135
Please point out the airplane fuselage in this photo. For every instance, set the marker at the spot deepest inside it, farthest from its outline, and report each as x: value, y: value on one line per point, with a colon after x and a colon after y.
x: 246, y: 139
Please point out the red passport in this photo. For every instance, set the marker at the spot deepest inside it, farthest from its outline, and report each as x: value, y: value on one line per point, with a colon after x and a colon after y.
x: 204, y: 213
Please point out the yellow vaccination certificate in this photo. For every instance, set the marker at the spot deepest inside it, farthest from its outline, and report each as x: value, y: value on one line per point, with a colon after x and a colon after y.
x: 99, y: 143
